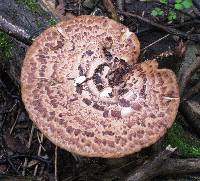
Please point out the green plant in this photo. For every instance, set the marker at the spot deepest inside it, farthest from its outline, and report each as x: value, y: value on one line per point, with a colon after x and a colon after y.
x: 157, y: 12
x: 30, y: 4
x: 182, y: 4
x: 34, y: 7
x: 5, y: 45
x: 177, y: 5
x: 186, y: 144
x: 163, y: 1
x: 171, y: 16
x: 52, y: 21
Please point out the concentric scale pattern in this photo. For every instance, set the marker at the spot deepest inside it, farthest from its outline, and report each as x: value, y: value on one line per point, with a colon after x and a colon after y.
x: 83, y: 88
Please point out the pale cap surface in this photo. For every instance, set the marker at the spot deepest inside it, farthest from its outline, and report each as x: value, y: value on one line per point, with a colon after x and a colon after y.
x: 83, y: 90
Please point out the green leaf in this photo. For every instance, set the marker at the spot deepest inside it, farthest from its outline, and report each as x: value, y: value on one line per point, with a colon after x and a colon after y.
x: 171, y: 16
x: 157, y: 12
x: 178, y: 6
x: 154, y: 13
x: 157, y: 9
x: 163, y: 1
x: 187, y: 3
x: 160, y: 13
x: 178, y: 1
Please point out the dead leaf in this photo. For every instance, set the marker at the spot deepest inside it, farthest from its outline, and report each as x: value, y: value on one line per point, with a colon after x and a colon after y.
x: 180, y: 49
x: 3, y: 168
x: 13, y: 143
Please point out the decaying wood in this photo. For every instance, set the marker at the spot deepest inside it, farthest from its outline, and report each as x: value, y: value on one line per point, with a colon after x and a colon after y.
x: 111, y: 9
x: 19, y: 22
x: 57, y: 8
x: 190, y: 63
x: 162, y: 165
x: 180, y: 166
x: 191, y: 110
x: 193, y: 90
x: 17, y: 32
x: 150, y: 168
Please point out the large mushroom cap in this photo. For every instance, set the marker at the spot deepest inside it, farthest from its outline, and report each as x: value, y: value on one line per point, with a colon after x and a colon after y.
x: 83, y: 90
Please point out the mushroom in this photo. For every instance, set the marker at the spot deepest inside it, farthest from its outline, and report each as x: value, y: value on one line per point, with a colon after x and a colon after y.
x: 83, y: 88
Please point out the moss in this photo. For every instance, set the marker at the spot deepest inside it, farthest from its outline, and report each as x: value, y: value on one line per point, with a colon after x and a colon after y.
x: 5, y: 45
x: 186, y: 144
x: 52, y: 21
x: 32, y: 5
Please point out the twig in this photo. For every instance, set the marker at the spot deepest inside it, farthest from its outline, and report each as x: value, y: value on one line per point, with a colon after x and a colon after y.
x: 39, y: 158
x: 79, y: 7
x: 170, y: 30
x: 13, y: 126
x: 39, y: 153
x: 120, y: 4
x: 56, y: 164
x: 28, y: 146
x: 160, y: 39
x: 13, y: 167
x: 149, y: 169
x: 186, y: 23
x: 19, y: 178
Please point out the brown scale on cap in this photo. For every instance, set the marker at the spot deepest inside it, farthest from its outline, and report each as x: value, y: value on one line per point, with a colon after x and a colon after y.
x: 83, y: 89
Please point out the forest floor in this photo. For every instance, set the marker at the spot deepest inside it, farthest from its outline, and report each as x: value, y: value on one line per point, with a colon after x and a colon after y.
x: 25, y: 154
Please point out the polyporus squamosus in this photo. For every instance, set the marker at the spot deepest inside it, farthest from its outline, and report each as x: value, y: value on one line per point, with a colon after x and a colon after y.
x: 83, y: 88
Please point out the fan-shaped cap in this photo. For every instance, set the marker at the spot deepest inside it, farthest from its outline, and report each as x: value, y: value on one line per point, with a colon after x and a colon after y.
x: 83, y: 90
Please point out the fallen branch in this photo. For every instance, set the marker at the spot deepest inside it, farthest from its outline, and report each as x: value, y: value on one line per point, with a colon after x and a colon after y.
x: 162, y: 165
x: 170, y: 30
x: 15, y: 31
x: 193, y: 90
x: 20, y: 23
x: 188, y: 66
x: 110, y: 8
x: 180, y: 166
x: 190, y: 109
x: 150, y: 169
